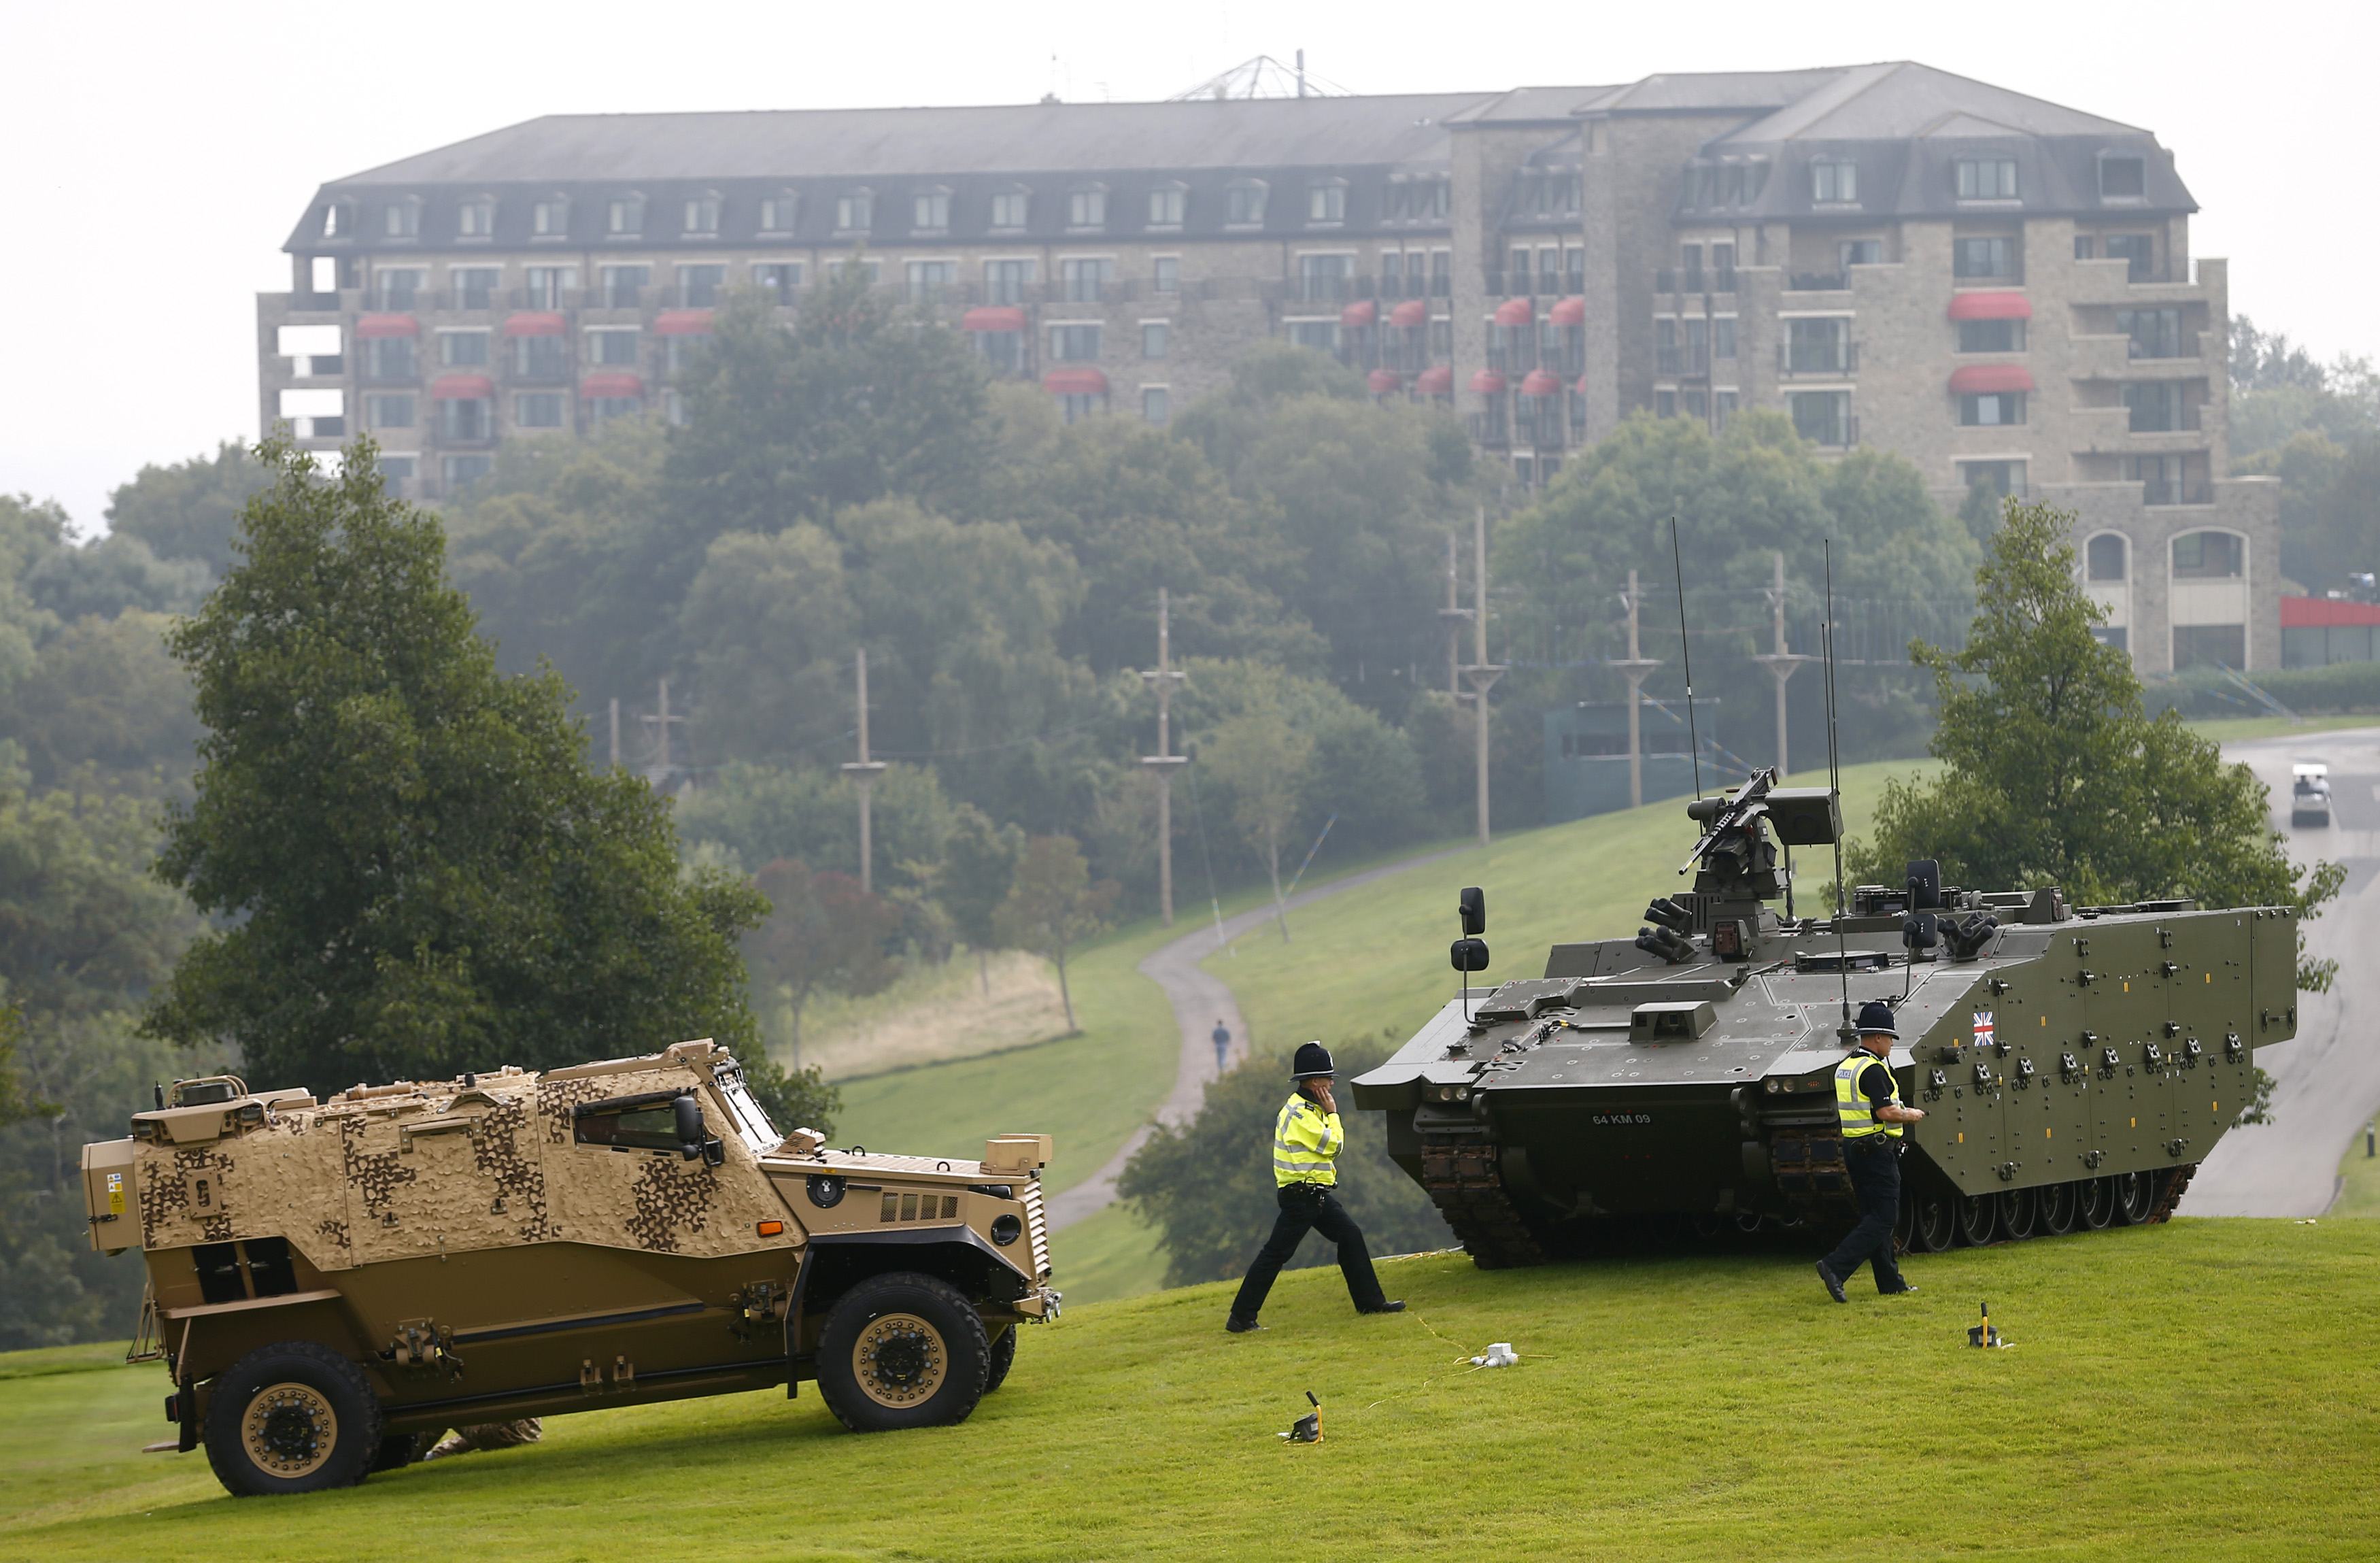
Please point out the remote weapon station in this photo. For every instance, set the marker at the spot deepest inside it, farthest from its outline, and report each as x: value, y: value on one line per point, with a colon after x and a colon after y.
x: 332, y: 1283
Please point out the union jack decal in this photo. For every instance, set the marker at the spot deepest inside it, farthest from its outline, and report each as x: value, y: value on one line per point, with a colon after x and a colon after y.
x: 1983, y: 1028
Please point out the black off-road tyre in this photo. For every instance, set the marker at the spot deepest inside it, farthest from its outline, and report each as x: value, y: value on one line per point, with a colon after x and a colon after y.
x: 902, y: 1350
x: 1003, y: 1357
x: 292, y: 1418
x: 398, y: 1450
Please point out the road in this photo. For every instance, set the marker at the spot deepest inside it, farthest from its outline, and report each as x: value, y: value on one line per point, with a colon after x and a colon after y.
x: 2327, y: 1082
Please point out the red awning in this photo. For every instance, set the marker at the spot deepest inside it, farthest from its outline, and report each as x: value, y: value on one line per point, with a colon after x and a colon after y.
x: 1568, y: 311
x: 535, y: 324
x: 682, y: 323
x: 1984, y: 379
x: 1989, y: 306
x: 1541, y: 382
x: 369, y: 326
x: 1488, y: 382
x: 462, y: 388
x: 994, y: 317
x: 1581, y: 387
x: 1074, y: 383
x: 612, y: 384
x: 1363, y: 311
x: 1515, y: 311
x: 2327, y: 612
x: 1409, y: 313
x: 1384, y: 382
x: 1439, y: 382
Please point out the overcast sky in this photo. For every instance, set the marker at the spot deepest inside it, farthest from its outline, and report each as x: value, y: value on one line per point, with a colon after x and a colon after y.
x: 155, y: 156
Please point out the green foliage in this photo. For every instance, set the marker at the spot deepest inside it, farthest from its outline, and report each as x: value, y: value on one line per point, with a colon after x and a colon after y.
x: 2330, y: 525
x: 414, y: 868
x: 758, y: 814
x: 2053, y: 773
x: 1051, y: 906
x: 823, y: 934
x: 16, y: 1105
x: 2341, y: 687
x: 1266, y: 766
x: 190, y: 510
x: 1207, y: 1185
x: 105, y: 703
x: 979, y: 866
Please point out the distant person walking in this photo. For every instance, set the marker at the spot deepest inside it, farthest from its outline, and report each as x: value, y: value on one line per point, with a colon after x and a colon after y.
x: 1222, y: 1045
x: 1868, y: 1107
x: 1306, y: 1139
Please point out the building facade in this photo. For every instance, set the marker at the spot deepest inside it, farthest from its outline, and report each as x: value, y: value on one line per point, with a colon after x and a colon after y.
x: 1998, y: 288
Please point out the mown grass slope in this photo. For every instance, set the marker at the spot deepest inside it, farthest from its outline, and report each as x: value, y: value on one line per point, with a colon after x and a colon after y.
x: 2195, y: 1390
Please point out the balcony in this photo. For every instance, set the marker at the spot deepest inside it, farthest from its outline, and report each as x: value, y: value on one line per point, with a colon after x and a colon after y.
x: 1818, y: 281
x: 1687, y: 362
x: 2179, y: 345
x: 1827, y: 359
x: 2165, y: 492
x: 1692, y: 279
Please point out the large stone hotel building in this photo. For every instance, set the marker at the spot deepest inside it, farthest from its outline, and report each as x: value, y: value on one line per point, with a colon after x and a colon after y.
x: 1998, y: 288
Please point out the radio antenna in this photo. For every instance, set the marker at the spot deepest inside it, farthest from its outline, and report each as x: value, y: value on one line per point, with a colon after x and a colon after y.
x: 1835, y: 787
x: 1686, y: 653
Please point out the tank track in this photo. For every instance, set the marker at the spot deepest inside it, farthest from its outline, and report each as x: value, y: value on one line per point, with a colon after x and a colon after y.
x: 1466, y: 1185
x: 2176, y: 1182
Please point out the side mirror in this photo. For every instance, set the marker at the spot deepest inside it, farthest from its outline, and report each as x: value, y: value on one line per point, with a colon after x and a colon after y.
x: 1473, y: 912
x: 687, y: 1111
x: 1468, y: 955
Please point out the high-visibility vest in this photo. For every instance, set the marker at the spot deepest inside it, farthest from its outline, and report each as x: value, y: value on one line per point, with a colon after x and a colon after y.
x: 1305, y: 1143
x: 1853, y: 1109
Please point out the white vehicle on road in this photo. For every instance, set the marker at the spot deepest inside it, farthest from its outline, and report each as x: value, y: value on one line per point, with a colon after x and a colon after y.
x: 2309, y: 794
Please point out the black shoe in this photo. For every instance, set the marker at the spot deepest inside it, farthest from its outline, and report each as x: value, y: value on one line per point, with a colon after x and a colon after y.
x: 1896, y: 1291
x: 1834, y: 1286
x: 1384, y: 1308
x: 1240, y: 1326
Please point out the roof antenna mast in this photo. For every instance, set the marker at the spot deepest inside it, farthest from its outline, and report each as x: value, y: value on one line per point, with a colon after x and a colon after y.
x: 1835, y: 786
x: 1686, y: 653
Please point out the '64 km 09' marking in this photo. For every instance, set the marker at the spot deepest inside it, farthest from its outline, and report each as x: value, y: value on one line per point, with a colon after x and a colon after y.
x: 1624, y: 1117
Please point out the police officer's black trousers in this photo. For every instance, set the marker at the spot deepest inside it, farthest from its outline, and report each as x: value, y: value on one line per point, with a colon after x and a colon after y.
x: 1874, y: 1165
x: 1310, y: 1207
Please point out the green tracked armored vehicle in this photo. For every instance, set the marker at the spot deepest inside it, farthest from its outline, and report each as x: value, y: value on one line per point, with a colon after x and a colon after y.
x: 2076, y: 1063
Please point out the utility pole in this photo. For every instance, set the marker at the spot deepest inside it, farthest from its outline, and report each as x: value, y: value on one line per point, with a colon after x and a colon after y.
x: 865, y: 771
x: 1162, y: 764
x: 615, y: 731
x: 1780, y: 662
x: 1634, y: 670
x: 658, y: 776
x: 1452, y: 615
x: 1481, y: 674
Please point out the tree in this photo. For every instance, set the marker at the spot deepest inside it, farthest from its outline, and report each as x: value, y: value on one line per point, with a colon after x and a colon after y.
x: 1266, y: 763
x: 823, y: 934
x: 412, y: 868
x: 979, y: 866
x: 1051, y: 906
x: 1208, y: 1186
x: 191, y: 509
x: 2053, y: 773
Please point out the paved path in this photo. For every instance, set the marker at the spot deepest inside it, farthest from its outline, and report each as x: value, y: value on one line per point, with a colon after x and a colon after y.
x: 2326, y: 1082
x: 1199, y: 998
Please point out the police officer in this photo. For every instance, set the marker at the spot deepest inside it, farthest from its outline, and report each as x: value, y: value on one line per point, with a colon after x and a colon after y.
x: 1306, y: 1140
x: 1869, y: 1108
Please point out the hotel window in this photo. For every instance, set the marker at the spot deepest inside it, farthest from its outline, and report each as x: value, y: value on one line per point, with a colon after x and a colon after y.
x: 538, y: 409
x: 698, y: 286
x: 1156, y: 404
x: 1244, y: 203
x: 872, y: 269
x: 1992, y: 409
x: 855, y: 212
x: 1073, y: 343
x: 541, y: 359
x: 389, y: 411
x: 779, y: 280
x: 1393, y: 274
x: 1081, y: 280
x: 2209, y: 556
x: 1075, y: 406
x: 1004, y: 282
x: 2104, y: 555
x: 549, y: 218
x: 778, y: 213
x: 1009, y: 208
x: 929, y: 278
x: 1991, y: 257
x: 463, y: 349
x: 603, y: 409
x: 1723, y: 336
x: 1833, y: 181
x: 1822, y: 417
x: 390, y: 358
x: 1003, y: 351
x: 338, y: 222
x: 463, y: 418
x: 612, y: 349
x: 2003, y: 478
x: 2156, y: 407
x: 1323, y: 279
x: 474, y: 286
x: 624, y: 286
x: 1087, y: 208
x: 462, y: 471
x: 702, y: 215
x: 1325, y: 201
x: 396, y: 289
x: 1168, y: 273
x: 396, y: 471
x: 1320, y: 334
x: 1155, y: 337
x: 2138, y: 252
x: 402, y: 219
x: 1442, y: 273
x: 1991, y: 336
x: 2123, y: 178
x: 930, y: 211
x: 547, y: 284
x: 1987, y: 178
x: 1166, y: 205
x: 476, y: 218
x: 623, y: 216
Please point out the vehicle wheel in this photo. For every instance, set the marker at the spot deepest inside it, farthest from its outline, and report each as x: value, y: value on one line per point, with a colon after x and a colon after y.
x: 2060, y: 1204
x: 2097, y: 1203
x: 1976, y: 1217
x: 1904, y: 1222
x: 1003, y: 1357
x: 2135, y: 1197
x: 1934, y: 1225
x: 2017, y: 1212
x: 400, y: 1449
x: 292, y: 1418
x: 902, y: 1350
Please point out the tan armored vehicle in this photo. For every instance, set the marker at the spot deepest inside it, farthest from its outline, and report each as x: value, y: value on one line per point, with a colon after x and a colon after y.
x: 334, y: 1282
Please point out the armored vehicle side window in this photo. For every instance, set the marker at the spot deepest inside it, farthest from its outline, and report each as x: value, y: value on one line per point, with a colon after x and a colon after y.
x: 652, y: 1127
x: 752, y: 1125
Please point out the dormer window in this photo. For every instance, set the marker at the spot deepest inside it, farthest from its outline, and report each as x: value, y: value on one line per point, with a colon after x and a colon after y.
x: 855, y: 212
x: 930, y: 211
x: 1325, y: 201
x: 623, y: 216
x: 1244, y: 203
x: 1834, y: 182
x: 549, y: 217
x: 702, y: 215
x: 778, y: 211
x: 402, y: 218
x: 2123, y: 178
x: 339, y: 220
x: 1010, y: 208
x: 1167, y: 204
x: 1985, y: 178
x: 1558, y: 194
x: 1088, y: 207
x: 476, y: 217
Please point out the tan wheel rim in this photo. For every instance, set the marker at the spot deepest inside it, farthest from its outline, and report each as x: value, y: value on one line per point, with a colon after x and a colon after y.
x: 900, y: 1361
x: 289, y: 1430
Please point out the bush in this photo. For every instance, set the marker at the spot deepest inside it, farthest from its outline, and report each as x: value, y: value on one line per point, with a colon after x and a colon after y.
x: 2205, y: 693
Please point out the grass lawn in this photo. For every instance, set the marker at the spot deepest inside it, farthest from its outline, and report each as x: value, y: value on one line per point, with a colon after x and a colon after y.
x: 1107, y: 1256
x: 2180, y: 1391
x: 2359, y: 1181
x: 2230, y: 729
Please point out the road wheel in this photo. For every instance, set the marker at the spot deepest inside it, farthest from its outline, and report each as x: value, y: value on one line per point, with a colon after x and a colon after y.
x: 1933, y: 1224
x: 902, y: 1350
x: 2060, y: 1208
x: 291, y: 1418
x: 400, y: 1449
x: 1003, y: 1357
x: 2017, y: 1212
x: 1976, y: 1217
x: 2135, y: 1198
x: 2098, y: 1204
